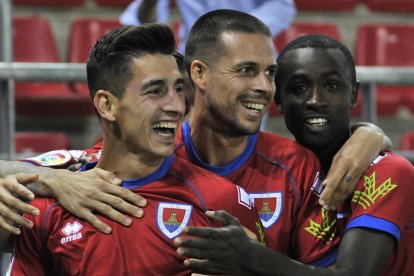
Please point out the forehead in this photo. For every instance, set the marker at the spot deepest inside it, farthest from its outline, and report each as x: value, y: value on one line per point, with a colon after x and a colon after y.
x: 316, y: 60
x: 241, y: 47
x: 154, y: 66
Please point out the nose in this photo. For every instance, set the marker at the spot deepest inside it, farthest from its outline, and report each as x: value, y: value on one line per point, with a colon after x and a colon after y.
x: 265, y: 84
x: 174, y: 103
x: 316, y: 98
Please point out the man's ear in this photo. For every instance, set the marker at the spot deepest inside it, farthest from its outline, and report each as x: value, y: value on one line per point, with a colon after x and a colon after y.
x: 106, y: 104
x: 198, y: 70
x: 354, y: 94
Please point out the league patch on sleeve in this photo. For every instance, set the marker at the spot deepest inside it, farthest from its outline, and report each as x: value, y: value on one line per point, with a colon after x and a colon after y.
x: 243, y: 198
x: 51, y: 159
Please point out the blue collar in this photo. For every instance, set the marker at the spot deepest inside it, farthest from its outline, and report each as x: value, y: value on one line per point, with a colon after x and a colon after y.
x: 139, y: 182
x: 223, y: 170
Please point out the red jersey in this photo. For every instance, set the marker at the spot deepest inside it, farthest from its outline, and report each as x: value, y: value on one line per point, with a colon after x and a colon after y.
x: 384, y: 201
x: 178, y: 194
x: 278, y: 174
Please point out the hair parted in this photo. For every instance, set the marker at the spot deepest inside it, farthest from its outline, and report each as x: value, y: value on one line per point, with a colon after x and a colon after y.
x: 109, y: 63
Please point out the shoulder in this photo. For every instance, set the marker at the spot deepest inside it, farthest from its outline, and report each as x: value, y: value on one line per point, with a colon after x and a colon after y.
x: 389, y: 164
x: 277, y: 145
x: 197, y: 174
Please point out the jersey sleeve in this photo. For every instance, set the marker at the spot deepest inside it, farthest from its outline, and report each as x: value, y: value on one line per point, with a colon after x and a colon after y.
x: 315, y: 237
x: 28, y: 258
x: 384, y: 197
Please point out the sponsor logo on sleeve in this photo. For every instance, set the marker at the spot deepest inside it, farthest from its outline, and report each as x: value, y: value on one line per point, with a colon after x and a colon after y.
x: 371, y: 192
x: 269, y: 206
x: 172, y: 218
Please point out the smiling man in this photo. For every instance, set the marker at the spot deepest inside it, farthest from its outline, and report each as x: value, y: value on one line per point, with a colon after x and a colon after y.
x: 136, y: 88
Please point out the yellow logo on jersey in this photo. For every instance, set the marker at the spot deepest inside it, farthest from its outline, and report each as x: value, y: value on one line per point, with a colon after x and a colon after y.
x: 371, y: 193
x: 326, y: 231
x: 260, y: 232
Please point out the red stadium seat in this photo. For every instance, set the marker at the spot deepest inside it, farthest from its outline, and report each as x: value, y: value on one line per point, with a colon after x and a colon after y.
x: 390, y: 5
x: 83, y: 35
x: 45, y: 3
x: 387, y: 45
x: 298, y: 29
x: 326, y: 5
x: 407, y: 141
x: 40, y: 141
x: 302, y: 28
x: 33, y: 41
x: 113, y: 3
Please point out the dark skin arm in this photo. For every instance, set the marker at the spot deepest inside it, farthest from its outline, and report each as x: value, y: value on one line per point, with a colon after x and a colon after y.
x: 79, y: 193
x: 350, y: 163
x: 228, y: 250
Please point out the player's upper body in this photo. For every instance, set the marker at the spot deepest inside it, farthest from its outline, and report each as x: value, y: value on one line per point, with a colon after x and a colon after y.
x: 278, y: 174
x: 137, y: 91
x: 178, y: 194
x: 317, y: 89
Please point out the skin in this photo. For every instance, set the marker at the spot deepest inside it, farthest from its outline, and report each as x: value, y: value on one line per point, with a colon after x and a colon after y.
x: 153, y: 96
x: 242, y: 75
x: 317, y: 83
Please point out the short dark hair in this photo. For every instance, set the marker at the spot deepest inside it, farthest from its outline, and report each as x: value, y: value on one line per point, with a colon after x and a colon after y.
x: 203, y: 41
x: 312, y: 41
x: 109, y: 62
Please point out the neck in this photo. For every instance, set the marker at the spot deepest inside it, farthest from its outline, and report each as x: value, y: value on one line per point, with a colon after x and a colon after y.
x: 326, y: 153
x: 116, y: 158
x: 212, y: 145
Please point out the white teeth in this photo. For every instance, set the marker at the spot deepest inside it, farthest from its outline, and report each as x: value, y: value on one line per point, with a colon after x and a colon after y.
x: 254, y: 106
x: 317, y: 121
x: 165, y: 125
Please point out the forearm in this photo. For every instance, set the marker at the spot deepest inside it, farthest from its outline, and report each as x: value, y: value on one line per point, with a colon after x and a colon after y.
x: 386, y: 142
x: 269, y: 262
x: 15, y: 167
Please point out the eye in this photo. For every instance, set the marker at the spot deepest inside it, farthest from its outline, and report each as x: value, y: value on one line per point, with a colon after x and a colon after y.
x: 332, y: 85
x: 179, y: 88
x: 271, y: 73
x: 301, y: 88
x: 246, y: 70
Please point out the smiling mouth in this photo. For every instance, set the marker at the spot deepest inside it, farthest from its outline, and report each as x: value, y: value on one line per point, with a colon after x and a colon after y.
x: 165, y: 128
x: 317, y: 121
x: 254, y: 106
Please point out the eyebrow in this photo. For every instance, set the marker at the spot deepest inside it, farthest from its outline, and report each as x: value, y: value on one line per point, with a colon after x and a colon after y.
x: 252, y: 63
x: 159, y: 82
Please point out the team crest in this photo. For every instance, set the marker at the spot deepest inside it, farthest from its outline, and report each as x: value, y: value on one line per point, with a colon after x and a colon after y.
x: 269, y: 206
x: 172, y: 218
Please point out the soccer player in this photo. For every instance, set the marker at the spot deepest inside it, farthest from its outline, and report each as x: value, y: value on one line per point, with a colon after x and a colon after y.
x: 316, y: 91
x: 136, y: 88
